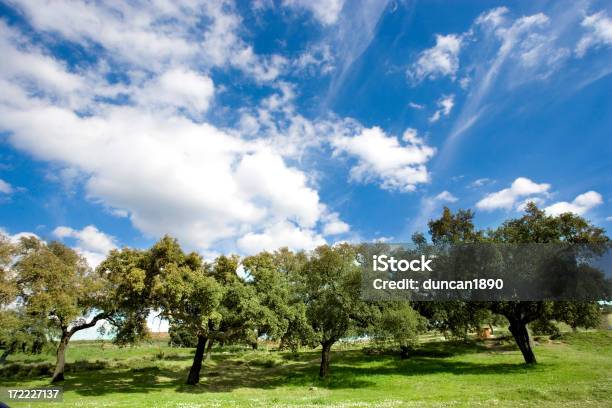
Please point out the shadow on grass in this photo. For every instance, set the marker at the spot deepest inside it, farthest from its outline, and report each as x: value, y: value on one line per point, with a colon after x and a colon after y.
x: 349, y: 369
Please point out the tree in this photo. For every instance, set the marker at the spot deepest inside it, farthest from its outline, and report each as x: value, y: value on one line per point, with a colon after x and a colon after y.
x: 578, y: 314
x: 240, y: 307
x: 331, y: 285
x: 9, y: 322
x: 56, y: 285
x: 400, y: 324
x: 533, y: 227
x: 127, y: 284
x: 181, y: 336
x: 283, y: 315
x: 299, y: 331
x: 536, y: 226
x: 186, y: 295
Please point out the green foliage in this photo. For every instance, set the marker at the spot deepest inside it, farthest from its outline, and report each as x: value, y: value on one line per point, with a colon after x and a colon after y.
x: 533, y: 227
x: 331, y: 283
x: 55, y: 283
x: 181, y: 336
x: 544, y: 327
x: 399, y: 324
x: 578, y: 314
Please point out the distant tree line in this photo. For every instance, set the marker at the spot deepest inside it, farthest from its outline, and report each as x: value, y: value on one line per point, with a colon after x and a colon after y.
x: 297, y: 299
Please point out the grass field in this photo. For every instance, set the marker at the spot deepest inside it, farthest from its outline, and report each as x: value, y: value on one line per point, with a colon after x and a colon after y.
x: 573, y: 371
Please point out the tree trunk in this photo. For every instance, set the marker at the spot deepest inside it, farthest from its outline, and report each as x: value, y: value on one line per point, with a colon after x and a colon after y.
x: 405, y: 352
x: 281, y: 345
x: 254, y: 345
x: 194, y: 373
x: 324, y: 369
x: 523, y: 341
x: 60, y: 364
x: 209, y: 349
x: 4, y: 355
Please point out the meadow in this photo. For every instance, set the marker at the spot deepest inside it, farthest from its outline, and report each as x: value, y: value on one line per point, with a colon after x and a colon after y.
x: 573, y: 370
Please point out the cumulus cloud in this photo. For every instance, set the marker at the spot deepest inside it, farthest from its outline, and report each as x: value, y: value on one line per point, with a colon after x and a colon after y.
x: 334, y: 225
x: 178, y: 89
x: 508, y: 197
x: 598, y: 29
x: 325, y: 11
x: 92, y: 243
x: 438, y: 61
x: 383, y: 158
x: 580, y: 205
x: 153, y: 157
x: 187, y: 179
x: 281, y: 234
x: 5, y: 188
x: 445, y: 105
x: 14, y: 238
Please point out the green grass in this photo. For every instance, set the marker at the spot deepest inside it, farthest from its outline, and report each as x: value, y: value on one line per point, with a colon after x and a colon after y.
x: 575, y: 370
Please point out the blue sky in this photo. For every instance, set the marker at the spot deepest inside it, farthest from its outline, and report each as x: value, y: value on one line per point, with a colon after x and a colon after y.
x: 238, y: 127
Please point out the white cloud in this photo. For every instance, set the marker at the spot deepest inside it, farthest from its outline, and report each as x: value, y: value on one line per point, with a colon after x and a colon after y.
x: 481, y: 182
x: 153, y: 158
x: 326, y: 11
x: 92, y: 243
x: 428, y: 206
x: 580, y: 205
x: 384, y: 159
x: 446, y: 197
x: 415, y: 105
x: 89, y: 238
x: 281, y: 234
x: 154, y: 35
x: 334, y: 226
x: 178, y: 89
x: 14, y: 238
x: 608, y: 218
x: 438, y: 61
x: 535, y: 57
x: 5, y: 188
x: 187, y: 179
x: 445, y: 105
x: 508, y: 197
x: 316, y: 60
x: 599, y: 32
x: 263, y: 175
x: 492, y: 18
x: 539, y: 201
